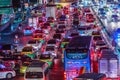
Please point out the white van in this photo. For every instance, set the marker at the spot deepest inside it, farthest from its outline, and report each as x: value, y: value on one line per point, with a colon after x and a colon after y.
x: 37, y: 70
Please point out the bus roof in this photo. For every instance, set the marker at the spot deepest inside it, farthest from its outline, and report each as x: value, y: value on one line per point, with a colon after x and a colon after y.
x: 80, y: 41
x: 93, y: 76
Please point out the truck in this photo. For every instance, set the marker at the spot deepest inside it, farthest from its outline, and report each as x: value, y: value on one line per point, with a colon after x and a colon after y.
x: 109, y: 63
x: 51, y: 11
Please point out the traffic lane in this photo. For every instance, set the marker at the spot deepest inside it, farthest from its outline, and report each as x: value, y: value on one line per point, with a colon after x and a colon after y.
x: 55, y: 73
x: 19, y: 78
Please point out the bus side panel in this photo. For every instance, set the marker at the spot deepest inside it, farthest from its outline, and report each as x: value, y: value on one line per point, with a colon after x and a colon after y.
x: 103, y: 66
x: 113, y: 68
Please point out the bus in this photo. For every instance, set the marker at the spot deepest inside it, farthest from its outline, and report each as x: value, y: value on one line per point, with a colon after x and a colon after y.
x: 77, y: 56
x: 91, y: 76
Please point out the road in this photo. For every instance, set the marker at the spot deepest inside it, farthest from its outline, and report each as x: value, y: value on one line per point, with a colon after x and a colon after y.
x: 55, y: 73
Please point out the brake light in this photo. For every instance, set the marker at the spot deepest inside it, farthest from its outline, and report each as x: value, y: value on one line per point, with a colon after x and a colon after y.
x: 65, y: 75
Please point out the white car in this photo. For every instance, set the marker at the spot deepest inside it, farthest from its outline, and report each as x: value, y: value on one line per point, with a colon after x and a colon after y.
x: 35, y: 44
x: 6, y: 73
x: 50, y: 50
x: 53, y: 42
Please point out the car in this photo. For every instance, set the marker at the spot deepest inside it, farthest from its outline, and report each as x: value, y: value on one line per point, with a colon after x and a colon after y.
x: 36, y: 70
x: 64, y: 42
x: 50, y: 19
x: 61, y: 27
x: 38, y: 32
x: 27, y: 50
x: 28, y: 31
x: 35, y: 44
x: 53, y: 42
x: 73, y: 34
x: 101, y: 10
x: 40, y: 20
x: 47, y: 58
x: 100, y: 43
x: 50, y: 50
x: 62, y: 18
x: 46, y: 29
x: 39, y: 37
x: 97, y: 38
x: 90, y: 20
x: 76, y: 21
x: 60, y: 31
x: 86, y: 10
x: 89, y: 15
x: 96, y: 33
x: 57, y: 37
x: 103, y: 15
x: 6, y: 73
x: 114, y: 18
x: 9, y: 61
x: 23, y: 58
x: 98, y: 50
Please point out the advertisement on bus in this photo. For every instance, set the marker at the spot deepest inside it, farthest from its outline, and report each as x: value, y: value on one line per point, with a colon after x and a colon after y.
x: 103, y: 66
x: 113, y: 68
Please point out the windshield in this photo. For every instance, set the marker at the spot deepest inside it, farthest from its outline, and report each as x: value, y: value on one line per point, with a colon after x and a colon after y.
x: 100, y: 43
x: 96, y: 38
x: 95, y: 33
x: 57, y: 36
x: 59, y: 31
x: 32, y: 42
x: 81, y: 28
x: 66, y: 40
x: 25, y: 64
x: 34, y: 75
x: 61, y: 26
x: 51, y: 42
x: 49, y: 48
x: 74, y: 34
x: 38, y: 31
x: 27, y: 49
x: 45, y: 56
x: 38, y: 36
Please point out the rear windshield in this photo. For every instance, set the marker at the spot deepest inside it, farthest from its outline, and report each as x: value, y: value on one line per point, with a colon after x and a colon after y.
x: 34, y: 75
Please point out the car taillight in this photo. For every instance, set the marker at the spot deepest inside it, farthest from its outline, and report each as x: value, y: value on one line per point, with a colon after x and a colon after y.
x: 65, y: 75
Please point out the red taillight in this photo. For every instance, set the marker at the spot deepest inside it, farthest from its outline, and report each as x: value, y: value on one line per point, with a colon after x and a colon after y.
x: 65, y: 75
x: 99, y: 55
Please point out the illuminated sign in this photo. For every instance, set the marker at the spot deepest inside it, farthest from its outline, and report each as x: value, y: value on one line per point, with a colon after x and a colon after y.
x: 5, y: 3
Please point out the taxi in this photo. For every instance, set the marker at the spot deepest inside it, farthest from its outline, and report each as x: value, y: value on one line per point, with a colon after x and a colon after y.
x: 47, y: 58
x: 6, y: 73
x: 39, y: 37
x: 24, y: 67
x: 64, y: 42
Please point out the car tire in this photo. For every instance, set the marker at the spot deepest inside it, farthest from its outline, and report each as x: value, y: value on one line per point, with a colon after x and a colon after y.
x: 9, y: 76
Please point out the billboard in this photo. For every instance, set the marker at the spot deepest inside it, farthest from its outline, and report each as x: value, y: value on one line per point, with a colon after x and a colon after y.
x: 4, y: 3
